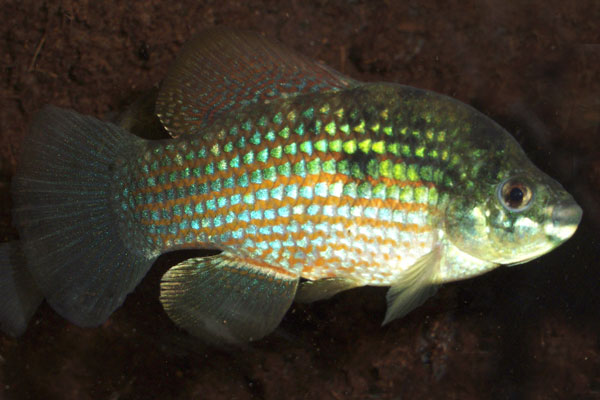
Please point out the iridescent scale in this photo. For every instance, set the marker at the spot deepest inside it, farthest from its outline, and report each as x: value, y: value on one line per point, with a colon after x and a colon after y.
x: 291, y: 170
x: 326, y: 185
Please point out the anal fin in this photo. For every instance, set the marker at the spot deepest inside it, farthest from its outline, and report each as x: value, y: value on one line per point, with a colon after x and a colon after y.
x: 322, y: 289
x: 227, y: 299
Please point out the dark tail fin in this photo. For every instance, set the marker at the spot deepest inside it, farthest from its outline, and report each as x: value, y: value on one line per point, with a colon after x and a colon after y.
x: 65, y: 213
x: 19, y: 294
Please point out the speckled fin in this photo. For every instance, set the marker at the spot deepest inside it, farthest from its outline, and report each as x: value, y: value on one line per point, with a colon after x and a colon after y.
x: 19, y: 295
x: 225, y: 299
x: 221, y: 70
x: 64, y: 212
x: 322, y: 289
x: 414, y: 287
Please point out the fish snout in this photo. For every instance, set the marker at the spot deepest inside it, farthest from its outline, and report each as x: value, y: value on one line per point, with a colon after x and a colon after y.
x: 566, y: 216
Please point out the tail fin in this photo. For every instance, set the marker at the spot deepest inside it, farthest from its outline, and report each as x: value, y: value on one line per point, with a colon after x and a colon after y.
x: 65, y: 213
x: 19, y: 294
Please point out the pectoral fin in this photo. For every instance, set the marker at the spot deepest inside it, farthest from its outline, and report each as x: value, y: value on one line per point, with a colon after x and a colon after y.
x: 414, y: 287
x: 322, y: 289
x: 227, y: 299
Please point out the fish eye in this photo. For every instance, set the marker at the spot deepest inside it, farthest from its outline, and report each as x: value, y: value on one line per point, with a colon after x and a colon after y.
x: 515, y: 194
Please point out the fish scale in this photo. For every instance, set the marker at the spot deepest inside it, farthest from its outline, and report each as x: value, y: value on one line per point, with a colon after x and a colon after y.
x: 308, y: 184
x: 287, y: 168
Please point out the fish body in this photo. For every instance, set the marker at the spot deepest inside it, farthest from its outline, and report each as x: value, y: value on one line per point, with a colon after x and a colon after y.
x: 291, y: 171
x: 320, y: 185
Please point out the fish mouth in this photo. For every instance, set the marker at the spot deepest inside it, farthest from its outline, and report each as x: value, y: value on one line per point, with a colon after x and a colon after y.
x: 566, y: 217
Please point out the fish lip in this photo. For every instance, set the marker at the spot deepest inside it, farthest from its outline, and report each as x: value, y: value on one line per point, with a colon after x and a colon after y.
x: 565, y: 218
x: 566, y: 213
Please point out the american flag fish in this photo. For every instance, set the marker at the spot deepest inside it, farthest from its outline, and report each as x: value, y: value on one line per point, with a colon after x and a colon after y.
x: 306, y: 181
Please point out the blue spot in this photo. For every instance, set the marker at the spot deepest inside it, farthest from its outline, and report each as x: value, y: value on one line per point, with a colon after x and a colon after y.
x: 292, y: 227
x: 229, y: 183
x: 321, y: 189
x: 277, y: 193
x: 322, y: 227
x: 385, y: 214
x: 291, y: 191
x: 270, y: 214
x: 308, y: 227
x: 177, y: 210
x: 216, y: 185
x: 230, y: 217
x: 256, y: 214
x: 225, y: 236
x: 370, y: 212
x: 235, y: 199
x: 306, y: 192
x: 262, y: 194
x: 244, y: 216
x: 298, y: 209
x: 302, y: 242
x: 211, y: 204
x: 222, y: 202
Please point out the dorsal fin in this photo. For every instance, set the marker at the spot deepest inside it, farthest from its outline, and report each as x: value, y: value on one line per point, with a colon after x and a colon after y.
x: 222, y: 70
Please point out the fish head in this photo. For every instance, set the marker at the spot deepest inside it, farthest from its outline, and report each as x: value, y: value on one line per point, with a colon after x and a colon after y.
x: 512, y: 212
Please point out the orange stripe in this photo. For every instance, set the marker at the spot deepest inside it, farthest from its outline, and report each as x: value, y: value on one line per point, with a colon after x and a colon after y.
x: 414, y: 228
x: 259, y: 264
x: 337, y: 177
x: 244, y: 168
x: 267, y: 204
x: 310, y: 181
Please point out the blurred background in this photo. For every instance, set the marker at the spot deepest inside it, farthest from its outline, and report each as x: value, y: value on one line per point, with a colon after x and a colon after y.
x: 528, y: 332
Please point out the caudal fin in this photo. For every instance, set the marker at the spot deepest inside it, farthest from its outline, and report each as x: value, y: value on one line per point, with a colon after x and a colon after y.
x: 65, y: 213
x: 19, y: 295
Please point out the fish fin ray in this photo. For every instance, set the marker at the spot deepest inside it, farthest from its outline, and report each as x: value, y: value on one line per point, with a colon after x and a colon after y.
x: 414, y: 287
x: 224, y: 299
x: 75, y: 253
x: 222, y: 70
x: 322, y: 289
x: 19, y: 295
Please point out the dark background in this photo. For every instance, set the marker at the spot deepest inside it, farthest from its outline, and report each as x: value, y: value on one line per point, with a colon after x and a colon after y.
x: 530, y: 332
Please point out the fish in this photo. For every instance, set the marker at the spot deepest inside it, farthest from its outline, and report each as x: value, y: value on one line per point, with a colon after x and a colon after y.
x: 304, y: 181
